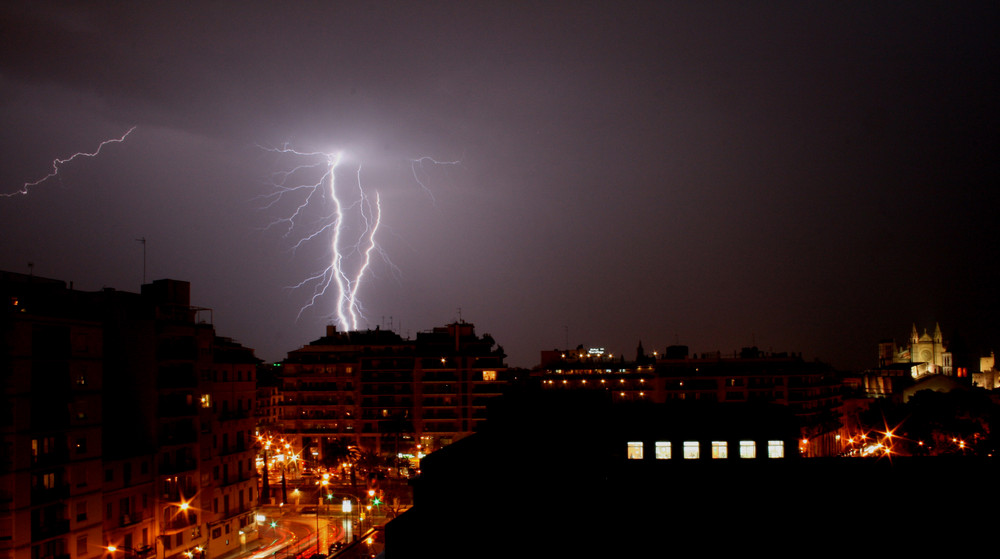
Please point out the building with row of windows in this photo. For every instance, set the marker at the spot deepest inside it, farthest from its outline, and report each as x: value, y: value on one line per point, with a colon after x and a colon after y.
x: 385, y: 393
x: 577, y: 473
x: 574, y: 473
x: 126, y: 423
x: 811, y: 390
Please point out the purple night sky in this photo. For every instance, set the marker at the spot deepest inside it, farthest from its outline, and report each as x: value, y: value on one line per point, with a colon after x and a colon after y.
x: 808, y: 176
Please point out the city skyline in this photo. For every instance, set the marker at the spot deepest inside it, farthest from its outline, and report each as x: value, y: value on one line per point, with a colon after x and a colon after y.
x: 800, y: 178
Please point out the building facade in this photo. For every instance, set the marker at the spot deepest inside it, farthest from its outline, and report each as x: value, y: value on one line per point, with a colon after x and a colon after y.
x: 51, y: 373
x: 387, y: 394
x: 118, y: 409
x: 811, y: 390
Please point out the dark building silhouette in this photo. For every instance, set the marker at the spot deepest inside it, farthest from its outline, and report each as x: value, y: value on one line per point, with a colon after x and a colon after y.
x: 550, y: 475
x: 127, y: 422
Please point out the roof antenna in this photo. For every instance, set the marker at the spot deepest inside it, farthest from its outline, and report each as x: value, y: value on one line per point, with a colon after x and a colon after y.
x: 143, y: 241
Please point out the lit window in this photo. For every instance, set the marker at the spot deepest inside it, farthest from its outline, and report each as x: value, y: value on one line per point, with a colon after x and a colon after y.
x: 748, y: 449
x: 489, y: 375
x: 634, y: 450
x: 691, y: 450
x: 206, y: 400
x: 720, y: 449
x: 775, y: 449
x: 663, y: 450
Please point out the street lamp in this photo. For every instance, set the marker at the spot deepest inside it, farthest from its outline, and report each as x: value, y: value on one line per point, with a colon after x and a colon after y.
x: 319, y: 504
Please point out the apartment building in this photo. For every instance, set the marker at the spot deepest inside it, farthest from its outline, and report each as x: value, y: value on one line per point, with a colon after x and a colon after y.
x: 388, y: 394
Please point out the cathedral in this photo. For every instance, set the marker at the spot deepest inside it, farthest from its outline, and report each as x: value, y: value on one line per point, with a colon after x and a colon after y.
x: 927, y: 354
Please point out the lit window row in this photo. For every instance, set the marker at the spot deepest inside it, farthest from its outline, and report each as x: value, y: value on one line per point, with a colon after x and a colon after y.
x: 691, y: 450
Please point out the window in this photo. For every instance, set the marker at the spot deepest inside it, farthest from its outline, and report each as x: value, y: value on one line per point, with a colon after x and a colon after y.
x: 748, y: 449
x: 663, y: 450
x: 634, y: 450
x: 775, y: 449
x: 489, y: 375
x: 206, y: 400
x: 81, y: 511
x: 720, y: 450
x: 81, y: 545
x: 691, y: 450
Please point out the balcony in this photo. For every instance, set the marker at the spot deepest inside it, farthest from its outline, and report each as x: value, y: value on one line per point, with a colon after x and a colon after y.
x: 232, y: 449
x: 174, y: 408
x: 440, y: 377
x: 233, y: 415
x: 176, y: 466
x: 174, y: 493
x: 49, y: 529
x: 181, y: 521
x: 58, y: 456
x: 41, y: 495
x: 131, y: 519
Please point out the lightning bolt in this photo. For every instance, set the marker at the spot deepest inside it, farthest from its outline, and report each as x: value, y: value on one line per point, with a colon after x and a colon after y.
x: 349, y: 261
x: 348, y: 220
x: 417, y: 166
x: 56, y: 163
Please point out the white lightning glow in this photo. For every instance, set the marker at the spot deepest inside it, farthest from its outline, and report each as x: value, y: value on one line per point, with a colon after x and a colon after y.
x: 341, y: 214
x: 56, y: 163
x: 351, y: 248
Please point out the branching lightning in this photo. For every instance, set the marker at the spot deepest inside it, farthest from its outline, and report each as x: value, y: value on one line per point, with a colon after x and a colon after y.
x: 325, y: 209
x: 417, y: 166
x: 56, y: 163
x: 350, y: 254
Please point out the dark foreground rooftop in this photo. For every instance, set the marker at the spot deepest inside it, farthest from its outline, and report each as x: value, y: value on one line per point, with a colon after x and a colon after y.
x: 550, y: 477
